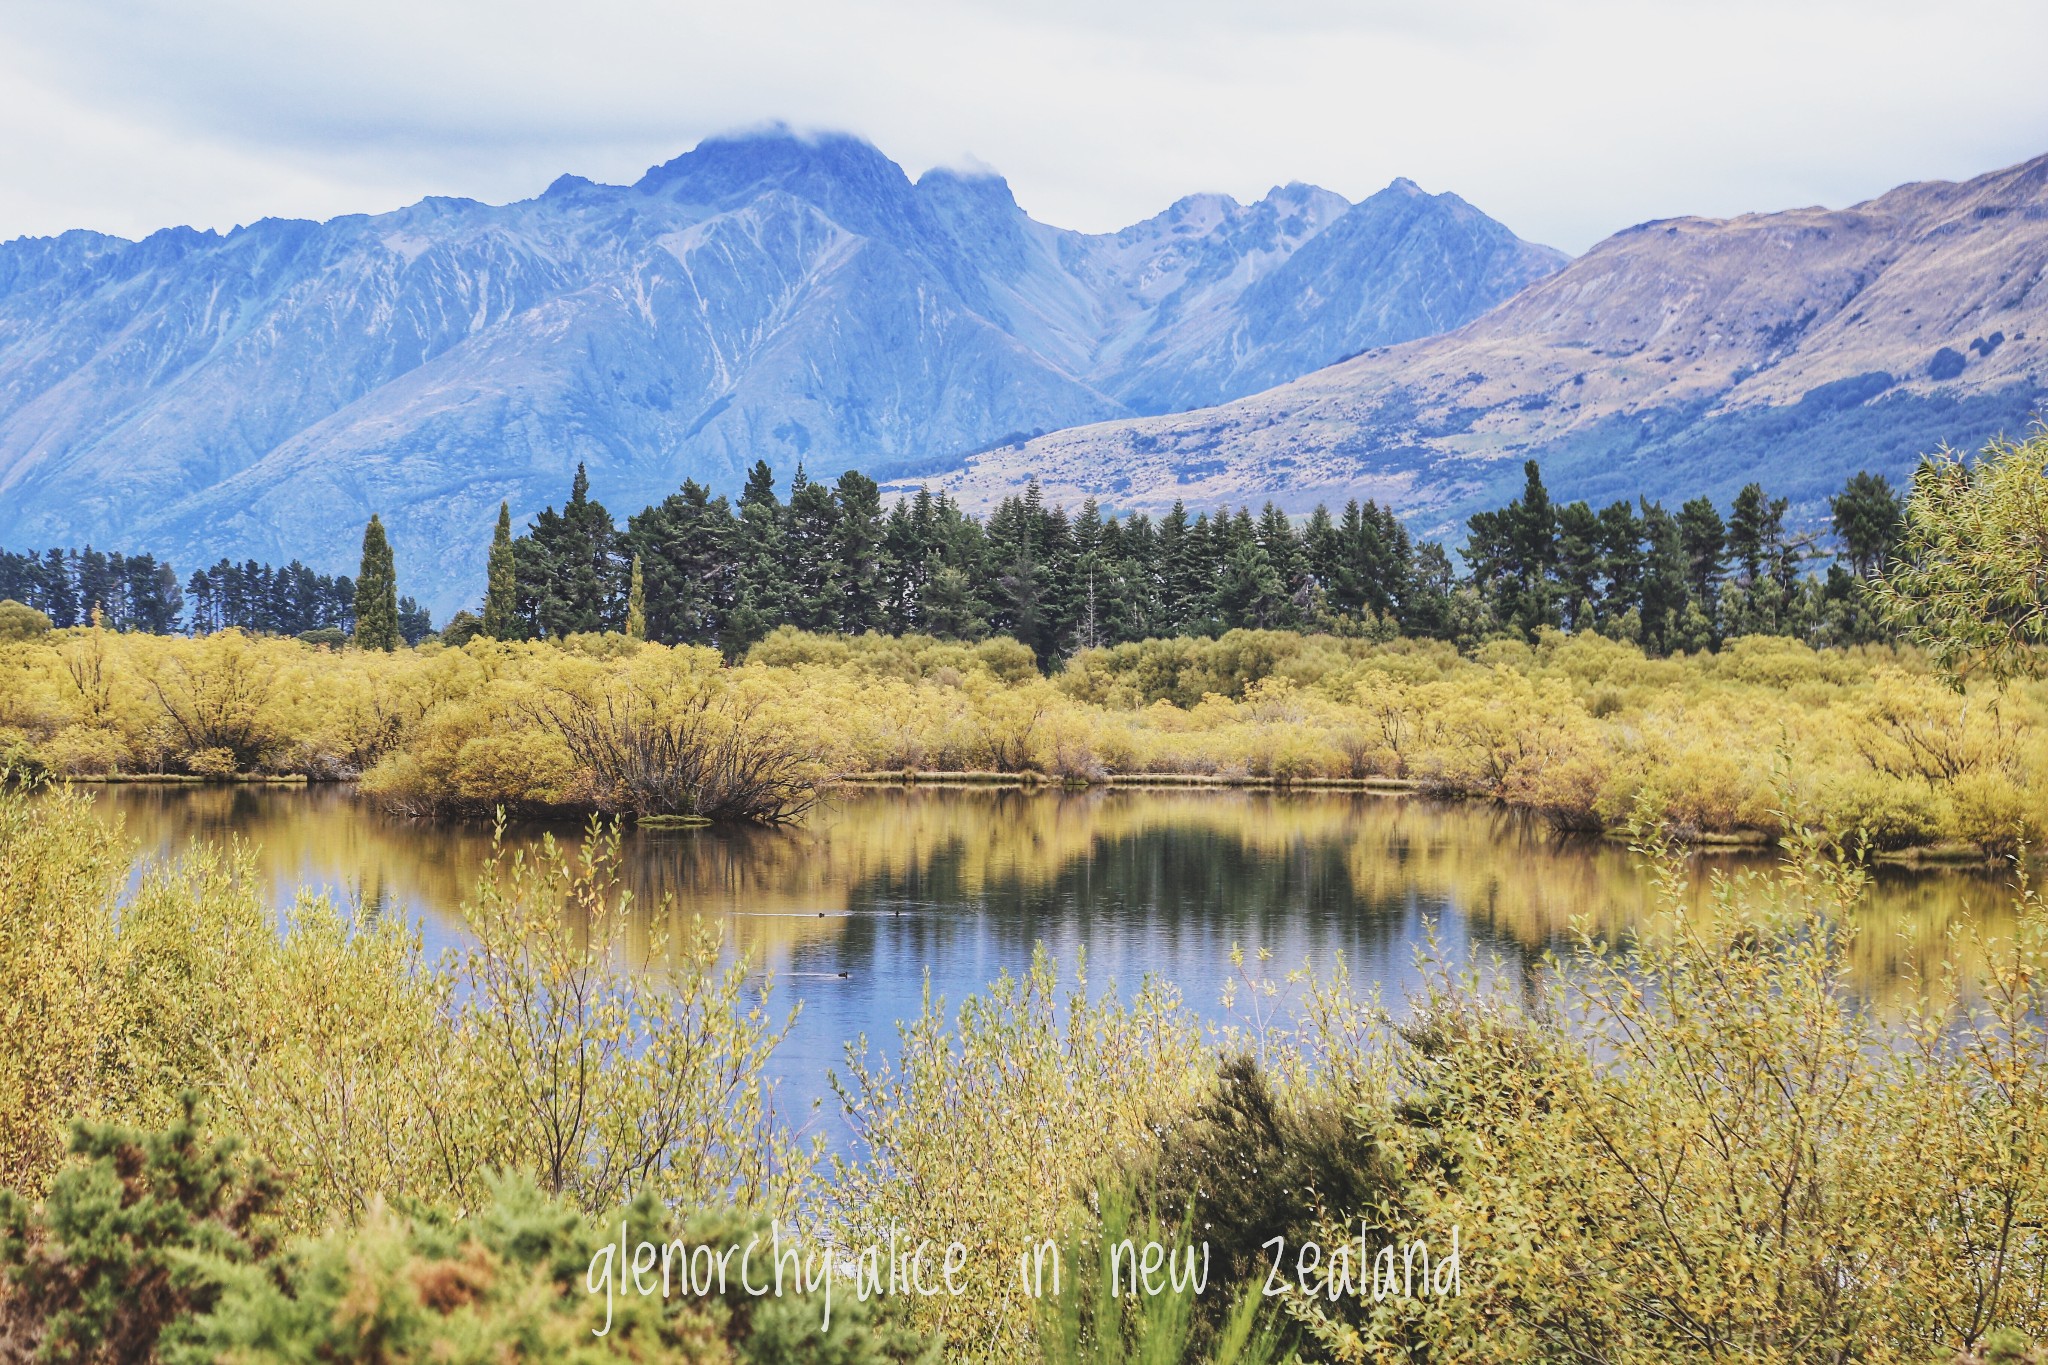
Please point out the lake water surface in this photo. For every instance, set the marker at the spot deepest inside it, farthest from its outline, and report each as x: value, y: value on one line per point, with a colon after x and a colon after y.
x: 881, y: 889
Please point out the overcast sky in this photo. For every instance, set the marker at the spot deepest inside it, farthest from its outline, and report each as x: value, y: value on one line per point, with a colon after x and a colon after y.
x: 1565, y: 120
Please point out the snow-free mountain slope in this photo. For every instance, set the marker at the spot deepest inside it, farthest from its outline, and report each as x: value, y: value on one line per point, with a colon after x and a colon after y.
x: 1675, y: 358
x: 768, y: 296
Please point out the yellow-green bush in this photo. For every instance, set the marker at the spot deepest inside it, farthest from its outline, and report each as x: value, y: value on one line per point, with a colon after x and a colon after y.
x: 983, y: 1127
x: 356, y: 1066
x: 1578, y: 728
x: 1703, y: 1143
x: 1707, y: 1147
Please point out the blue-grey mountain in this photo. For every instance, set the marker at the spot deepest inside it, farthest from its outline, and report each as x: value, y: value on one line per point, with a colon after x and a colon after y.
x: 794, y: 299
x: 1676, y: 358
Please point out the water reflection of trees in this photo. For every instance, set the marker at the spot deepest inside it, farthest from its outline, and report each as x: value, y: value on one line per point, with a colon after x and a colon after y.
x: 1191, y: 869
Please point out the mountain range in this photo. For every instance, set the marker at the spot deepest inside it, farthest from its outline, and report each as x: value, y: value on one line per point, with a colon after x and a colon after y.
x: 1676, y: 358
x: 770, y: 296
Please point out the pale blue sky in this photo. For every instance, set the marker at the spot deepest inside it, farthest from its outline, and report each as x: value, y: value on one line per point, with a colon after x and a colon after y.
x: 1565, y: 120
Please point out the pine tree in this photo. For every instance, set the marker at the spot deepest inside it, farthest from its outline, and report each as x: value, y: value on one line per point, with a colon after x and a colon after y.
x: 855, y: 546
x: 1186, y: 576
x: 1249, y: 593
x: 1513, y: 553
x: 1578, y: 564
x: 1132, y: 547
x: 1705, y: 538
x: 1621, y: 562
x: 1664, y: 581
x: 501, y: 597
x: 811, y: 569
x: 910, y: 555
x: 1022, y: 580
x: 1869, y: 520
x: 377, y: 592
x: 415, y: 622
x: 1284, y: 552
x: 94, y: 577
x: 636, y: 605
x: 687, y: 547
x: 1755, y: 525
x: 1426, y: 607
x: 761, y: 585
x: 60, y: 592
x: 589, y: 585
x: 950, y: 610
x: 570, y: 574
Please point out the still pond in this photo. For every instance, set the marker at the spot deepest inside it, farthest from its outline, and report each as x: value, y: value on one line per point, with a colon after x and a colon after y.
x: 882, y: 889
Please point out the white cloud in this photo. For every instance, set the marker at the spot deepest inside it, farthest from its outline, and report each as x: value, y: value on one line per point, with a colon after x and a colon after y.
x: 1566, y: 120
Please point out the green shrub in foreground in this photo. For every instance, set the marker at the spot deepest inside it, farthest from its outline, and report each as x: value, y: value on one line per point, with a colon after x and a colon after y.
x: 132, y: 1245
x: 155, y: 1246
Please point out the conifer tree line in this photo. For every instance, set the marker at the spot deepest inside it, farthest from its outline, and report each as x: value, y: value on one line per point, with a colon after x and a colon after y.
x: 142, y: 593
x: 131, y: 592
x: 698, y: 569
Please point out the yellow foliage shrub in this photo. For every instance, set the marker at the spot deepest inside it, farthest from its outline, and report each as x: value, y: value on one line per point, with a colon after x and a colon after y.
x: 1577, y: 728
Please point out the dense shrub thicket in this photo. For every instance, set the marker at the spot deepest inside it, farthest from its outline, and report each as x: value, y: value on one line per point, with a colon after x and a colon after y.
x: 162, y: 1246
x: 1699, y: 1145
x: 1581, y: 728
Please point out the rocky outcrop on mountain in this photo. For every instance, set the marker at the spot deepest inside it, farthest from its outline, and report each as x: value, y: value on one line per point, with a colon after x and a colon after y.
x: 1678, y: 357
x: 768, y: 296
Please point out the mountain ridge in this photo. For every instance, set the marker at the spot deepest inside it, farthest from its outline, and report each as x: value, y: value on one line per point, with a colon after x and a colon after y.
x: 1794, y: 347
x: 799, y: 299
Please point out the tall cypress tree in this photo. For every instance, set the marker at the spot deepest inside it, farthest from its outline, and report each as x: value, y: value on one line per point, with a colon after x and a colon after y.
x: 377, y: 591
x: 501, y: 596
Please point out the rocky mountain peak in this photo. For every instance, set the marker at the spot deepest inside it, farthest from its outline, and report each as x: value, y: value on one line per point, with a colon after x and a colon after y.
x: 845, y: 176
x: 768, y: 295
